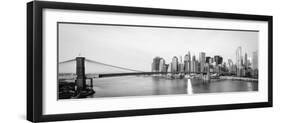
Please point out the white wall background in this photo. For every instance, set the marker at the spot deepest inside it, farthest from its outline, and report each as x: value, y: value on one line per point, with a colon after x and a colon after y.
x: 13, y: 61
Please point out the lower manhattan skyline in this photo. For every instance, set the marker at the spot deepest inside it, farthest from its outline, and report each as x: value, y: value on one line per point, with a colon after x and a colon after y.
x: 244, y: 56
x: 242, y: 66
x: 135, y: 47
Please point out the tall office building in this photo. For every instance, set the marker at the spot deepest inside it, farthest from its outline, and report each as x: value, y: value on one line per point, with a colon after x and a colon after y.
x: 224, y: 67
x: 197, y: 66
x: 230, y: 66
x: 246, y: 61
x: 155, y: 64
x: 255, y: 60
x: 211, y: 61
x: 162, y: 65
x: 239, y: 61
x: 181, y: 65
x: 169, y: 67
x: 208, y: 59
x: 187, y: 62
x: 166, y: 67
x: 249, y: 62
x: 202, y: 61
x: 218, y: 60
x: 193, y: 64
x: 174, y: 67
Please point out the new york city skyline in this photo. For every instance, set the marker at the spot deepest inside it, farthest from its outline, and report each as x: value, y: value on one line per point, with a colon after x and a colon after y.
x: 243, y: 66
x: 98, y: 60
x: 135, y: 47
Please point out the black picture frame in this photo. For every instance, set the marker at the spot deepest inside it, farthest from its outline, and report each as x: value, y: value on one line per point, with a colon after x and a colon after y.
x: 35, y: 69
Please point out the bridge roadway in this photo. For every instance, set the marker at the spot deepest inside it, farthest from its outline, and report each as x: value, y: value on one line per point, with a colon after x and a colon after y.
x: 144, y: 73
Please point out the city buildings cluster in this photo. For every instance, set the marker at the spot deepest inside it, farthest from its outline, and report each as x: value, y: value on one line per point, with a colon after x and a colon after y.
x: 244, y: 66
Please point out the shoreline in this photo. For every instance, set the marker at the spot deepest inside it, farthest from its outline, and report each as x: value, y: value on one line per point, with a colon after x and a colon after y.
x: 238, y: 78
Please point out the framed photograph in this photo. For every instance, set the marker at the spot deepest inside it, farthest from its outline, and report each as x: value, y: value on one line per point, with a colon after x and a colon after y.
x: 89, y: 61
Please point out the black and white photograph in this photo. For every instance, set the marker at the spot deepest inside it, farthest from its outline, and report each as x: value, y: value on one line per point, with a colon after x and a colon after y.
x: 88, y: 60
x: 97, y: 60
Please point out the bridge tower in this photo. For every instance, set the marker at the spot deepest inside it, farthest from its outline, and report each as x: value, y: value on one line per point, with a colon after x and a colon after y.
x: 80, y: 72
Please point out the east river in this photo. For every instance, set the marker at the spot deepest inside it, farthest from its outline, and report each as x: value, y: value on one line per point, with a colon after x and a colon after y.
x: 149, y: 85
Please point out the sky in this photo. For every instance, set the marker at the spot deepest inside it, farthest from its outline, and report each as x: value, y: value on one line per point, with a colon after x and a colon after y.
x: 135, y: 47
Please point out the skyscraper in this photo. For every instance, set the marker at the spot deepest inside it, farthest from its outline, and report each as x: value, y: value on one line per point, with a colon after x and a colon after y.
x: 202, y: 61
x: 246, y: 61
x: 211, y: 61
x: 155, y: 64
x: 174, y: 67
x: 230, y: 66
x: 208, y: 59
x: 239, y: 61
x: 166, y: 66
x: 193, y: 64
x: 162, y: 65
x: 181, y: 65
x: 218, y: 59
x: 249, y: 62
x: 197, y: 66
x: 255, y: 60
x: 187, y: 62
x: 169, y: 67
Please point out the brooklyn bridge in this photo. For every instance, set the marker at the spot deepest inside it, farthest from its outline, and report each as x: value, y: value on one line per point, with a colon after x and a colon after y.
x: 98, y: 69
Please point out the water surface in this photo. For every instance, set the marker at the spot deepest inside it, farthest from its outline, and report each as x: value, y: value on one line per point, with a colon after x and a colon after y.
x: 149, y: 85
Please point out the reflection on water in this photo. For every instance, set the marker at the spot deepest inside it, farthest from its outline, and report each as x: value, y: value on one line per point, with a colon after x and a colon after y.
x: 189, y: 87
x: 148, y: 85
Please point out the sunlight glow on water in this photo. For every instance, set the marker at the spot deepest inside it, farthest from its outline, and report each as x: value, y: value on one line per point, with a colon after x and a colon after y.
x: 189, y: 87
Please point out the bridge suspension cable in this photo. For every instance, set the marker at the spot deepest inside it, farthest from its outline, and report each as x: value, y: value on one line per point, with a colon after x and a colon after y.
x: 96, y: 62
x: 92, y: 61
x: 67, y: 61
